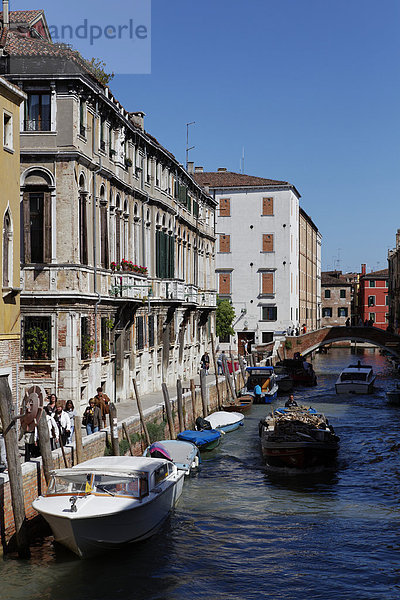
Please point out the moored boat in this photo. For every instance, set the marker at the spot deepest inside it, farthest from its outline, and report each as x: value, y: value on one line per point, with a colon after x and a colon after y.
x: 243, y: 404
x: 264, y: 377
x: 205, y: 440
x: 225, y: 421
x: 297, y: 439
x: 300, y: 370
x: 356, y: 379
x: 284, y: 379
x: 106, y: 503
x: 185, y: 455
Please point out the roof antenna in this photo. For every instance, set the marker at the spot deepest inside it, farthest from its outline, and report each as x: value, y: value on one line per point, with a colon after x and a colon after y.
x: 187, y: 142
x: 242, y: 162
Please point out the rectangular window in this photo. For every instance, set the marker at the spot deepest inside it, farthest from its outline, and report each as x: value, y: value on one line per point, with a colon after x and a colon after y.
x: 342, y: 311
x: 343, y: 293
x: 165, y: 255
x: 83, y: 254
x: 267, y: 336
x: 37, y: 338
x: 387, y: 301
x: 267, y: 207
x: 150, y: 324
x: 127, y: 339
x: 372, y: 283
x: 268, y: 242
x: 7, y: 131
x: 37, y: 112
x: 372, y: 317
x: 111, y: 149
x: 102, y: 135
x: 87, y: 344
x: 104, y: 256
x: 327, y: 293
x: 225, y: 283
x: 269, y: 313
x: 327, y: 311
x: 371, y: 300
x: 82, y: 118
x: 267, y: 283
x: 160, y: 329
x: 37, y: 227
x: 224, y: 243
x: 139, y: 333
x: 225, y: 207
x: 105, y: 336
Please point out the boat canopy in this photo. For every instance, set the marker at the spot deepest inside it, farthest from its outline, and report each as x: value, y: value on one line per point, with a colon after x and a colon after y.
x: 199, y: 437
x: 354, y: 376
x: 259, y: 370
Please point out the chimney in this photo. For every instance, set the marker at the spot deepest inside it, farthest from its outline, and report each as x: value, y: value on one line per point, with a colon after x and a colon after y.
x: 363, y: 269
x: 190, y: 167
x: 137, y: 119
x: 398, y: 239
x: 198, y: 169
x: 221, y: 170
x: 6, y: 14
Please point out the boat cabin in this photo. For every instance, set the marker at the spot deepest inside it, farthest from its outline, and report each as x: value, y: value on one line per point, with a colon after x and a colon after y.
x: 100, y: 478
x: 259, y: 376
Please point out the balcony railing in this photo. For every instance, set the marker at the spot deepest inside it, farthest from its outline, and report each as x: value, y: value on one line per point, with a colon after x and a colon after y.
x: 130, y: 286
x: 37, y: 125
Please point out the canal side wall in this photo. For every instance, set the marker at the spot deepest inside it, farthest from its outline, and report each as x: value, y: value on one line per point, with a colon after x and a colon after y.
x: 97, y: 444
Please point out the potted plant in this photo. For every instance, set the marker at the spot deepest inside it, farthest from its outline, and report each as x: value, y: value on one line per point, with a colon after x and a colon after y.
x: 115, y: 266
x: 87, y: 346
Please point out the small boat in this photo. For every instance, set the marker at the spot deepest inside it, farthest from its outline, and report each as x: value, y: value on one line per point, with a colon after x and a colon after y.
x: 266, y: 379
x: 108, y: 502
x: 205, y: 440
x: 243, y: 404
x: 297, y: 439
x: 185, y: 455
x: 301, y: 371
x: 393, y: 395
x: 356, y: 379
x: 225, y: 421
x: 284, y: 379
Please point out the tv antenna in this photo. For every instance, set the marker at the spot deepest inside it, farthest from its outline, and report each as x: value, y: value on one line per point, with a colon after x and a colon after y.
x: 187, y: 142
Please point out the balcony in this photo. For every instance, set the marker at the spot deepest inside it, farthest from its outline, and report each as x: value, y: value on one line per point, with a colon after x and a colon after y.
x: 130, y: 286
x: 208, y: 299
x: 191, y: 293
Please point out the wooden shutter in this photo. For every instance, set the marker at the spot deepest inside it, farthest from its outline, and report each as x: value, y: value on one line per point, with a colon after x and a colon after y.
x: 118, y: 238
x: 267, y: 283
x: 225, y: 207
x: 268, y: 206
x: 268, y: 242
x: 224, y: 243
x: 224, y: 283
x: 27, y: 228
x: 47, y: 228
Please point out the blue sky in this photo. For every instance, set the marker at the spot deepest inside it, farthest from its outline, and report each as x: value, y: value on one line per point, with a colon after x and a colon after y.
x: 310, y: 89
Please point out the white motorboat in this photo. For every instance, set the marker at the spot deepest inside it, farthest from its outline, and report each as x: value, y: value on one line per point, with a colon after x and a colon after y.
x: 356, y: 379
x: 185, y: 455
x: 105, y: 503
x: 225, y: 421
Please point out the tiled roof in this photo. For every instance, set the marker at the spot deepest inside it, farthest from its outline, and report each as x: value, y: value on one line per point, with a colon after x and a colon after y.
x: 23, y: 16
x: 221, y: 179
x: 327, y: 279
x: 382, y: 274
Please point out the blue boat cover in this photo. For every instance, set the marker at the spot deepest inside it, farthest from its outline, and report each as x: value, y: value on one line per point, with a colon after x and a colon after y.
x: 200, y: 438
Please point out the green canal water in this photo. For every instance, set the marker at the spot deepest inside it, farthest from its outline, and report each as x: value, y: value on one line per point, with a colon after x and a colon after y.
x: 240, y: 533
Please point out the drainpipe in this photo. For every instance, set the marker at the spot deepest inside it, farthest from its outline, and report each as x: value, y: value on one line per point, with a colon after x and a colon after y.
x: 97, y: 170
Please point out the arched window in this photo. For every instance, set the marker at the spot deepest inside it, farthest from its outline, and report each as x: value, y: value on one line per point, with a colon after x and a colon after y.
x: 7, y: 251
x: 104, y: 253
x: 118, y: 229
x: 37, y: 215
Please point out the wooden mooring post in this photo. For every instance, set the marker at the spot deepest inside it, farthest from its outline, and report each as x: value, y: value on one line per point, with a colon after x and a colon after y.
x: 203, y: 392
x: 179, y: 396
x: 139, y: 405
x: 242, y: 369
x: 228, y: 379
x: 44, y: 445
x: 193, y: 395
x: 14, y: 467
x: 78, y: 439
x: 233, y: 372
x: 216, y: 372
x: 169, y: 411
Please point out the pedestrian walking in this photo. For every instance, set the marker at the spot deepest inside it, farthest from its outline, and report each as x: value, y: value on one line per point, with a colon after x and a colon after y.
x: 63, y: 423
x: 103, y: 402
x: 71, y: 412
x: 220, y: 363
x: 347, y: 322
x: 92, y: 418
x: 205, y: 362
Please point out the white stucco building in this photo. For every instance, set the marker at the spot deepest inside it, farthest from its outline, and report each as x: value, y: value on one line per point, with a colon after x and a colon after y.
x: 257, y: 254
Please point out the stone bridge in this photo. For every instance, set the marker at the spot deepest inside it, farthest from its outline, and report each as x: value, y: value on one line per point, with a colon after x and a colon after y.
x: 308, y: 342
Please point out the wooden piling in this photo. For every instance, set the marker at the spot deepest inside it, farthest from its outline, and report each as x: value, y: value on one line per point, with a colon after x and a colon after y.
x: 14, y: 467
x: 45, y: 447
x: 139, y: 405
x: 128, y: 439
x: 228, y: 379
x: 203, y: 392
x: 169, y: 411
x: 193, y: 395
x: 179, y: 396
x: 242, y: 369
x: 114, y: 429
x: 216, y: 372
x: 233, y: 372
x: 78, y: 439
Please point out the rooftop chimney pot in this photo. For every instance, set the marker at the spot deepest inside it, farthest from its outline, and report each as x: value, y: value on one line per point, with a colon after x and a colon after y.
x: 363, y: 269
x: 190, y: 167
x: 198, y: 169
x: 222, y: 169
x: 6, y: 15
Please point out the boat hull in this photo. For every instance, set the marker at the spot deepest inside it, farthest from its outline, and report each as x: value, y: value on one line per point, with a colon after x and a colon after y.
x: 393, y: 397
x: 299, y: 455
x: 356, y: 387
x: 90, y: 535
x: 244, y: 404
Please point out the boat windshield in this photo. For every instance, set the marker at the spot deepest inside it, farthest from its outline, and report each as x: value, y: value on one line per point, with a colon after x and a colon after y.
x: 354, y: 376
x: 84, y: 483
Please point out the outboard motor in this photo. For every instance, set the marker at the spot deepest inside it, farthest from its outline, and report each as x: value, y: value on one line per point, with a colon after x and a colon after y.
x: 202, y: 424
x: 157, y: 450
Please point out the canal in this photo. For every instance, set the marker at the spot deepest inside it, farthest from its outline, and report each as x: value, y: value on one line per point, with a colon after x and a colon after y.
x: 239, y: 533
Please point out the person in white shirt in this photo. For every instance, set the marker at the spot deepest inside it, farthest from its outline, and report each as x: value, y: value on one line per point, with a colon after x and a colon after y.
x: 63, y: 423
